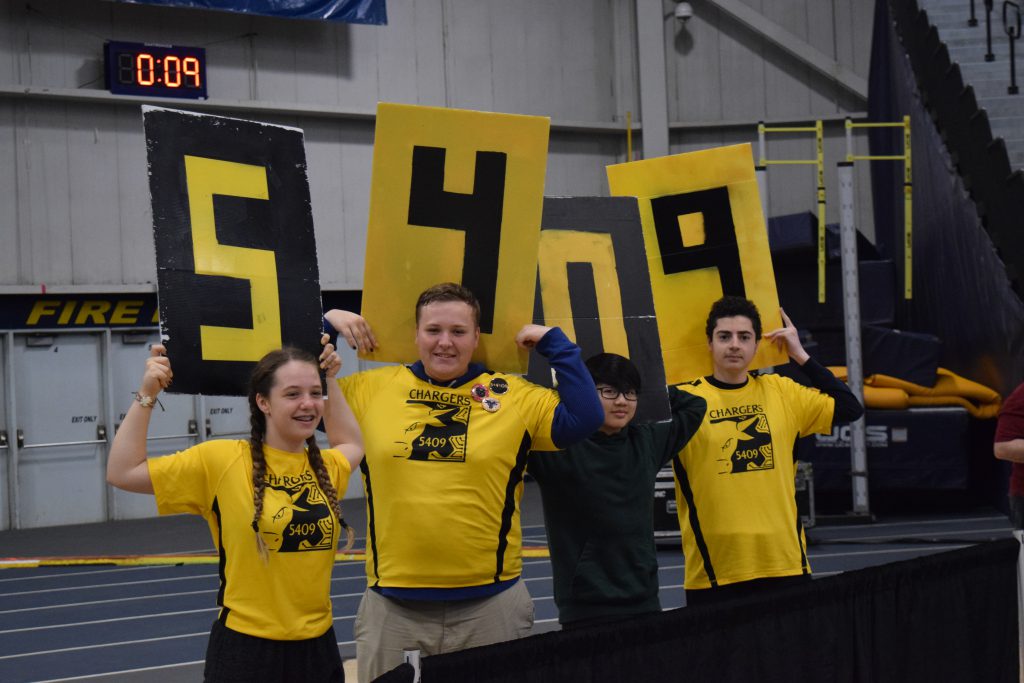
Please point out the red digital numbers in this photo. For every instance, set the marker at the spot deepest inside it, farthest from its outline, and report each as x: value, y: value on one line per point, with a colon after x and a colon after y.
x: 150, y: 70
x: 145, y: 69
x: 170, y: 71
x: 191, y: 68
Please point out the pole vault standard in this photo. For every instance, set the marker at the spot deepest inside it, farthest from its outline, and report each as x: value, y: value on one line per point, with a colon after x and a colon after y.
x: 851, y: 284
x: 818, y: 162
x: 908, y: 189
x: 849, y: 262
x: 851, y: 289
x: 851, y: 317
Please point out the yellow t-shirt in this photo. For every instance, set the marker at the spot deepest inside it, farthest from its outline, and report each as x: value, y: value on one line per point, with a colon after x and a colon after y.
x: 444, y: 475
x: 287, y: 598
x: 735, y: 490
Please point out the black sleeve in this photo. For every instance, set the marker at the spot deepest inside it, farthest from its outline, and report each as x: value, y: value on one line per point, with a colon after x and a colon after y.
x: 687, y: 414
x: 848, y: 408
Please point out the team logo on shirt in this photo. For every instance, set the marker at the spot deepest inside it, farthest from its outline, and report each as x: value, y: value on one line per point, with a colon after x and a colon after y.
x: 440, y: 434
x: 747, y: 439
x: 296, y: 515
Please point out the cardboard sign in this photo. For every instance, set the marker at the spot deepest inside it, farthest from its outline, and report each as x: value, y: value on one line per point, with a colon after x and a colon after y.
x: 592, y: 282
x: 235, y: 251
x: 705, y: 237
x: 456, y: 196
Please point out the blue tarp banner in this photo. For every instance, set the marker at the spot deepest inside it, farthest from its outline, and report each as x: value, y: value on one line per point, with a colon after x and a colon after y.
x: 351, y: 11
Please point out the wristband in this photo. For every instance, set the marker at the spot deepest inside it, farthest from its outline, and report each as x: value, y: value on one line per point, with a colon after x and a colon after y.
x: 144, y: 401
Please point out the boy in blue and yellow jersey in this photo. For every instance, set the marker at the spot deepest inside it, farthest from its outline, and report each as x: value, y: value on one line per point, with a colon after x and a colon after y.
x: 735, y: 478
x: 446, y: 445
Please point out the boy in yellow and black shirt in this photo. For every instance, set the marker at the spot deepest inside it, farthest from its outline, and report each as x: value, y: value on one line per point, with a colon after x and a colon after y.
x: 446, y: 447
x: 735, y: 478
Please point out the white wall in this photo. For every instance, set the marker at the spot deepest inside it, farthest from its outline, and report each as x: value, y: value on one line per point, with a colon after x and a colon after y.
x: 76, y: 209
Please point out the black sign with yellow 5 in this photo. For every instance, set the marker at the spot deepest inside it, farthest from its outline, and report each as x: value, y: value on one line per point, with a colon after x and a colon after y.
x: 235, y: 251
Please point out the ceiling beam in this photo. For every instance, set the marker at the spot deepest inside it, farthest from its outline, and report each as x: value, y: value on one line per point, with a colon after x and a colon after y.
x: 794, y: 46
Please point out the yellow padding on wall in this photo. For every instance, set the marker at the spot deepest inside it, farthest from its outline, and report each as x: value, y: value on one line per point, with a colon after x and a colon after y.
x: 883, y: 391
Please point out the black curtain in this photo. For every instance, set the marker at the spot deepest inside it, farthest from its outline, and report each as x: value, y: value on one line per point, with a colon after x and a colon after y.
x: 947, y: 617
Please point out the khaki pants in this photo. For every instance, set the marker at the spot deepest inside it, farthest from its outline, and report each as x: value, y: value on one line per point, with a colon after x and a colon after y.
x: 386, y: 626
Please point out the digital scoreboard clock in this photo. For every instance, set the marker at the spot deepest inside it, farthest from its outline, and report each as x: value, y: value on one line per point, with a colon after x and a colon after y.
x: 155, y: 70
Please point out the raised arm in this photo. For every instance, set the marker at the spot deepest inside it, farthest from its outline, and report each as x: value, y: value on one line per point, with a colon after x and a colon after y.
x: 343, y: 431
x: 687, y: 415
x: 127, y: 468
x: 848, y: 408
x: 352, y: 327
x: 579, y: 413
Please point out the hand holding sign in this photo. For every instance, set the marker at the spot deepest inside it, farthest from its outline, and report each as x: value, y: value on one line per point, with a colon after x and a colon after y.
x: 788, y: 339
x: 353, y: 328
x: 528, y: 337
x: 157, y: 375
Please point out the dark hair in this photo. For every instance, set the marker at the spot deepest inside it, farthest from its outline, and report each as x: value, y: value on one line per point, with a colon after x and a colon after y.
x: 731, y: 306
x: 615, y: 371
x: 261, y: 381
x: 448, y: 291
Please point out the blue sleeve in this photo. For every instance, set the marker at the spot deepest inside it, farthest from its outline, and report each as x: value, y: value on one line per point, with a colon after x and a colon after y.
x: 331, y: 332
x: 579, y: 412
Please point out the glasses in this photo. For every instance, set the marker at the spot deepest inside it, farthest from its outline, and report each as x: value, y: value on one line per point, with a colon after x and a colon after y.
x: 611, y: 393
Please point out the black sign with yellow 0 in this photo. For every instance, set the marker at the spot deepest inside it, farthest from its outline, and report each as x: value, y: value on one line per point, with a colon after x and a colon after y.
x: 235, y: 250
x: 592, y: 282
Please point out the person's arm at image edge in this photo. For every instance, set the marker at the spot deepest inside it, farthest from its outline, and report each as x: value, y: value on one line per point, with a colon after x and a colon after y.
x: 1012, y: 450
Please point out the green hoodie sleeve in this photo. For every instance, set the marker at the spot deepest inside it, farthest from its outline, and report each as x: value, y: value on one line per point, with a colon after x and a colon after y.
x: 670, y: 436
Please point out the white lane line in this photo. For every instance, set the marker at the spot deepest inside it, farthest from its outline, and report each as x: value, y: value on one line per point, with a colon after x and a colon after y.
x: 915, y: 523
x: 123, y: 671
x: 213, y: 575
x: 158, y: 615
x: 94, y: 647
x: 97, y: 586
x: 87, y: 603
x: 926, y: 550
x: 64, y: 575
x: 158, y: 596
x: 960, y: 532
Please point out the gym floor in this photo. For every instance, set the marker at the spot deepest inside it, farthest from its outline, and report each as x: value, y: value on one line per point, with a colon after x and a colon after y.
x: 107, y: 622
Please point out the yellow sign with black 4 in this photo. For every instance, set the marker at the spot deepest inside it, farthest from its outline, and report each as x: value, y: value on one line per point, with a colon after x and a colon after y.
x: 456, y: 197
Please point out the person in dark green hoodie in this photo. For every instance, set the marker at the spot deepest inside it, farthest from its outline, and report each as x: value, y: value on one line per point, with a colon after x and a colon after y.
x: 598, y: 498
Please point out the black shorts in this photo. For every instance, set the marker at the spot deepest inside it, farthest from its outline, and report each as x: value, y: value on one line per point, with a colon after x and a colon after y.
x: 233, y: 657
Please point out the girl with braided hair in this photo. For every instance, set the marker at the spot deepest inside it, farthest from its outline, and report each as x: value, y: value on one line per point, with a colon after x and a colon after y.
x: 272, y: 504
